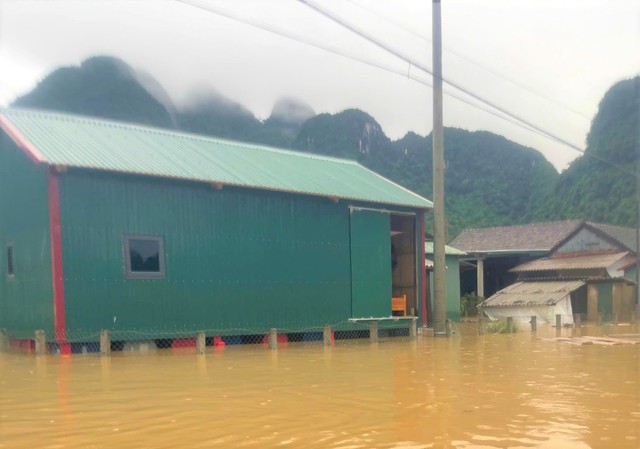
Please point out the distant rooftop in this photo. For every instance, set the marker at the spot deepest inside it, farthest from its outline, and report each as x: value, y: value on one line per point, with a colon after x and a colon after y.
x: 591, y: 261
x: 83, y: 142
x: 534, y: 237
x: 626, y: 236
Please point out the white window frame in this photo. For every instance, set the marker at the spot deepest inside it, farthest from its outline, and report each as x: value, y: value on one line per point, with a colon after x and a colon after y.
x: 128, y: 273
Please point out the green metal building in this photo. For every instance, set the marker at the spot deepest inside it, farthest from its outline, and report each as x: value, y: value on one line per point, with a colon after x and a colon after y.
x: 452, y: 279
x: 149, y: 232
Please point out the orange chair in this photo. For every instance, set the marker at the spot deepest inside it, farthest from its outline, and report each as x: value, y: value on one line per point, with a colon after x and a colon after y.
x: 399, y: 304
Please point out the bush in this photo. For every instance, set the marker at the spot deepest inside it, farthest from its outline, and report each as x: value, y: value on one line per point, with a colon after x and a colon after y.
x: 469, y: 304
x: 503, y: 327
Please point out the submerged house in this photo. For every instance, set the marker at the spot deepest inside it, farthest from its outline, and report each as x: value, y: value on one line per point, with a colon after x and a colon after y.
x: 591, y: 273
x: 496, y: 250
x: 145, y: 231
x: 543, y: 299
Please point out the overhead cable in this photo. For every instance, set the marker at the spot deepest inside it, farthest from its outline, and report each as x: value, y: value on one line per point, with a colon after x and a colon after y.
x: 397, y: 53
x: 496, y: 111
x: 214, y: 9
x: 473, y: 62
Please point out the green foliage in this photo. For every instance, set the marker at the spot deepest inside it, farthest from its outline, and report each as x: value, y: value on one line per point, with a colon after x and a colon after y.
x: 350, y: 134
x: 469, y: 304
x: 216, y: 116
x: 592, y: 188
x: 502, y: 327
x: 102, y: 87
x: 489, y: 180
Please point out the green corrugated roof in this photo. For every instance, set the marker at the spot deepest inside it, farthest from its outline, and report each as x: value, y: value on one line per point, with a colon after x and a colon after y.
x: 83, y: 142
x: 448, y: 250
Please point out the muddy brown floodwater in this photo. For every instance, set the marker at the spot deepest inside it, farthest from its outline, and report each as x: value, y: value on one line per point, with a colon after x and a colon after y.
x: 468, y: 391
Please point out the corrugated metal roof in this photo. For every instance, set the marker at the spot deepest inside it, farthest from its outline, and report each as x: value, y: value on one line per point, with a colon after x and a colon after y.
x: 571, y: 263
x: 82, y: 142
x: 534, y: 237
x: 448, y: 250
x: 527, y: 294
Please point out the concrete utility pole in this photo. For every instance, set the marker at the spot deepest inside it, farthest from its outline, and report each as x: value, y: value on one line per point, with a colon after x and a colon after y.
x: 638, y: 229
x: 637, y: 309
x: 439, y: 289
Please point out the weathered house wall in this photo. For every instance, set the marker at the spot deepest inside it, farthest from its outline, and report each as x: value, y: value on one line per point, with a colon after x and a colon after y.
x: 585, y: 241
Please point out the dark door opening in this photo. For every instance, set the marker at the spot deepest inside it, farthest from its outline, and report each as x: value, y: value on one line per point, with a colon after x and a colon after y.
x: 403, y: 261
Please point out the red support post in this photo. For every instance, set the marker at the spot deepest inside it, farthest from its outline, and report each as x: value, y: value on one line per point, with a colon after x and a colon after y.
x: 423, y: 270
x: 56, y: 264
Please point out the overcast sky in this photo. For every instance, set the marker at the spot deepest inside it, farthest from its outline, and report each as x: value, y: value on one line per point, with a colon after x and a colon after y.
x: 548, y: 61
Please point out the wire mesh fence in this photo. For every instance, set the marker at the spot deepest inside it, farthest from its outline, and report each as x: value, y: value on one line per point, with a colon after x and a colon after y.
x: 107, y: 341
x: 360, y: 331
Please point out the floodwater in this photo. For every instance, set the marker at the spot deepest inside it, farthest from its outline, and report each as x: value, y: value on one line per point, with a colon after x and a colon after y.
x: 467, y: 391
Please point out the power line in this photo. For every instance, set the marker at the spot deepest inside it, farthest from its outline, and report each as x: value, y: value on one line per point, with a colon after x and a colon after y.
x: 496, y: 111
x: 289, y: 35
x: 286, y: 34
x: 471, y: 61
x: 295, y: 37
x: 419, y: 65
x: 367, y: 36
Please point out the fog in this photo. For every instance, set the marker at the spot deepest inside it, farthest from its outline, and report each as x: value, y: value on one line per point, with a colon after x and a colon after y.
x: 547, y: 61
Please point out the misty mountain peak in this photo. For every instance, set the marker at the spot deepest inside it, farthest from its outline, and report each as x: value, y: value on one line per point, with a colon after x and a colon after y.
x: 291, y: 110
x: 101, y: 86
x: 108, y: 65
x: 208, y: 100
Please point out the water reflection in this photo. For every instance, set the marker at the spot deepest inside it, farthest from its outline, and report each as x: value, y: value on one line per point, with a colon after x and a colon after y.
x: 469, y: 391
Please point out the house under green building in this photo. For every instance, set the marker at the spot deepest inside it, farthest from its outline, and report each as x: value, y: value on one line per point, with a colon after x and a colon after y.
x: 150, y: 232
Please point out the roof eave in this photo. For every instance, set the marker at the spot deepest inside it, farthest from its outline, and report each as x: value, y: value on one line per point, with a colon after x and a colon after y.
x: 21, y: 141
x: 221, y: 184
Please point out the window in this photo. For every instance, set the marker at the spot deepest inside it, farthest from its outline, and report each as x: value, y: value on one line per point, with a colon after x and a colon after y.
x: 143, y: 257
x: 10, y: 266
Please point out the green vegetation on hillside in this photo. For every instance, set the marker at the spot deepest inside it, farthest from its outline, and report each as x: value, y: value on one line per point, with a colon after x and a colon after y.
x: 489, y: 180
x: 595, y: 190
x: 351, y: 134
x: 102, y: 87
x: 215, y: 115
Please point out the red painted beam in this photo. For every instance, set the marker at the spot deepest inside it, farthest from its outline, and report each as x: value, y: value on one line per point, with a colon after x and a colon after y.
x: 21, y: 141
x: 56, y: 263
x: 423, y: 270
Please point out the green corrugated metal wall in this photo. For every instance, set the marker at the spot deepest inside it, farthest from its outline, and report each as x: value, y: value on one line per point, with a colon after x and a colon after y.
x: 370, y: 264
x: 26, y: 301
x: 452, y: 287
x: 237, y: 260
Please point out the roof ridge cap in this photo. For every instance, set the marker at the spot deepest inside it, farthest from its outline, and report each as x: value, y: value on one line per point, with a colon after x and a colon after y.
x: 593, y: 223
x: 576, y: 221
